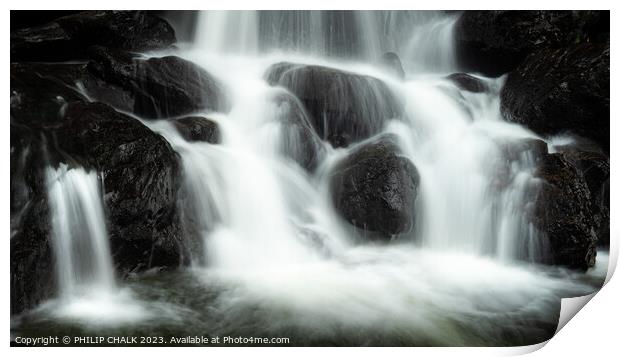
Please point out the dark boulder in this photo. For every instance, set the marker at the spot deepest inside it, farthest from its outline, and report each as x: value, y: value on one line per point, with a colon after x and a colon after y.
x: 152, y: 88
x: 375, y: 188
x: 344, y: 107
x: 467, y: 82
x: 198, y: 129
x: 593, y: 164
x: 390, y: 62
x: 32, y: 18
x: 33, y: 277
x: 69, y: 37
x: 563, y: 214
x: 160, y: 87
x: 141, y: 175
x: 40, y: 90
x: 38, y: 95
x: 299, y: 142
x: 32, y: 270
x: 563, y: 90
x: 495, y: 42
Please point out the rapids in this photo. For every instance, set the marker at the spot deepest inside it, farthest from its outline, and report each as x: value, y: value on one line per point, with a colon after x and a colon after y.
x: 274, y: 258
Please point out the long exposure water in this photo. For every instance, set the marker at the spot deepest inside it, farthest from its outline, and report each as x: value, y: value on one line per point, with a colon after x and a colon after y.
x: 276, y: 259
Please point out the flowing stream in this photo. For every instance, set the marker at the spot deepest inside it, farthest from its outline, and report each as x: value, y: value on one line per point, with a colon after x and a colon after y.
x: 79, y: 232
x: 276, y: 259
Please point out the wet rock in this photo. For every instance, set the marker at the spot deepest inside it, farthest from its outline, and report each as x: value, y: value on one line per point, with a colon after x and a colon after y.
x: 563, y: 90
x: 39, y: 96
x: 32, y: 270
x: 391, y: 63
x: 467, y: 83
x: 299, y: 141
x: 69, y: 37
x: 27, y: 18
x: 344, y: 107
x: 198, y: 129
x: 563, y: 214
x: 495, y: 42
x: 33, y: 278
x: 593, y: 165
x: 141, y: 175
x: 40, y: 90
x: 375, y: 188
x: 160, y: 87
x: 522, y: 152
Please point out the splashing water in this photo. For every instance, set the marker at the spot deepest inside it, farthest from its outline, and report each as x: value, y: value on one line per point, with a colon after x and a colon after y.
x: 274, y: 251
x: 423, y: 38
x: 79, y: 231
x: 278, y: 244
x: 87, y: 288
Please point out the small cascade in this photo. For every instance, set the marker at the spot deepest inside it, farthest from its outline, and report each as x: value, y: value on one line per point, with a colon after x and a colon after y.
x: 242, y: 226
x: 477, y: 175
x: 79, y: 232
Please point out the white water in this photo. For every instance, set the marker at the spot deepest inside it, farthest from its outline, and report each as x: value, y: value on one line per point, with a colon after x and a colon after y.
x: 79, y: 233
x: 464, y: 262
x: 272, y: 239
x: 424, y: 39
x: 269, y: 236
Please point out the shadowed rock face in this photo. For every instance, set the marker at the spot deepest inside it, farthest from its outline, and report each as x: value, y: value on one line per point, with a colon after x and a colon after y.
x: 51, y: 124
x: 375, y: 188
x: 344, y: 108
x: 33, y: 277
x: 594, y: 167
x: 562, y: 90
x: 68, y: 37
x: 495, y: 42
x: 141, y: 176
x: 39, y: 92
x: 563, y: 214
x: 160, y: 87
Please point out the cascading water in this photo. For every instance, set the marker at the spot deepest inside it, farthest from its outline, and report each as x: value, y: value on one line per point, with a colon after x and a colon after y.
x: 79, y: 232
x: 87, y: 289
x: 270, y: 231
x: 424, y: 38
x: 456, y: 185
x: 275, y: 258
x: 461, y: 185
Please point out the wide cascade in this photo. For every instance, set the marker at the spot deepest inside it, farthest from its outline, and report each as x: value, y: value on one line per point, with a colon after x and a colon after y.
x: 328, y: 175
x: 261, y: 199
x: 254, y: 201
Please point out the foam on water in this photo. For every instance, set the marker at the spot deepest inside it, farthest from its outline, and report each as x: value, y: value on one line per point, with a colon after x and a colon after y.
x: 269, y: 236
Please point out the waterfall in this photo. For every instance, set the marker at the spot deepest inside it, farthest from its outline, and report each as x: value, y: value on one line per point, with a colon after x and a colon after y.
x: 254, y: 205
x: 79, y: 234
x: 272, y: 251
x: 228, y: 31
x: 423, y: 39
x: 235, y: 188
